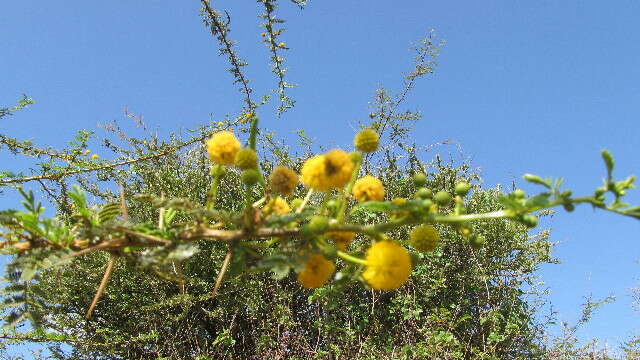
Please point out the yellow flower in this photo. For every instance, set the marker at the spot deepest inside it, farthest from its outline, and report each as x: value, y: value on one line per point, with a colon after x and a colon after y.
x: 283, y: 180
x: 95, y: 156
x: 368, y: 188
x: 366, y: 140
x: 282, y: 44
x: 87, y: 152
x: 246, y: 159
x: 222, y: 147
x: 316, y: 272
x: 277, y: 206
x: 424, y: 238
x: 329, y: 171
x: 388, y: 265
x: 338, y: 167
x: 342, y: 239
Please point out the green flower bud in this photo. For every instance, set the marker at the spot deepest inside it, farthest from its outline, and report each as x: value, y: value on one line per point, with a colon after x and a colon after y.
x: 462, y: 188
x: 519, y: 194
x: 427, y: 203
x: 246, y: 159
x: 332, y: 204
x: 420, y: 179
x: 477, y: 241
x: 218, y: 171
x: 250, y: 177
x: 569, y: 207
x: 424, y: 193
x: 295, y: 203
x: 442, y: 198
x: 355, y: 156
x: 316, y: 225
x: 530, y: 221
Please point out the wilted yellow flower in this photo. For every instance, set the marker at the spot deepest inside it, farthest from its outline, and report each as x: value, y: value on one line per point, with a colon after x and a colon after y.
x: 316, y: 272
x: 366, y: 140
x: 246, y: 159
x: 368, y: 188
x: 283, y: 180
x: 388, y: 265
x: 424, y: 238
x: 342, y: 239
x: 277, y: 206
x: 87, y: 152
x: 222, y: 147
x: 329, y: 171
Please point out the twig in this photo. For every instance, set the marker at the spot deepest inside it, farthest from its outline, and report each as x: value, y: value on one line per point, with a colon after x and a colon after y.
x: 223, y: 270
x: 103, y: 285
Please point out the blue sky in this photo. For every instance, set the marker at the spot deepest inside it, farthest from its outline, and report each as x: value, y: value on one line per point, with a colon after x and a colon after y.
x: 536, y: 87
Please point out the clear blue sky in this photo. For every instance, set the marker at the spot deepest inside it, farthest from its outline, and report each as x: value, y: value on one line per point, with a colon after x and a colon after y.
x: 523, y: 87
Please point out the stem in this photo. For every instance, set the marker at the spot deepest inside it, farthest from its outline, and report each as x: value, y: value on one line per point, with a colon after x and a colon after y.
x: 305, y: 201
x: 347, y: 190
x: 213, y: 193
x: 353, y: 259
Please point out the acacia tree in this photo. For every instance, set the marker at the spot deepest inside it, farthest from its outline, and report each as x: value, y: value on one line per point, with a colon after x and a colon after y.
x: 211, y: 247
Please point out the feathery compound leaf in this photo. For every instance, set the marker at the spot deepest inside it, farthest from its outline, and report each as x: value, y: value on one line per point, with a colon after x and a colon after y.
x: 108, y: 212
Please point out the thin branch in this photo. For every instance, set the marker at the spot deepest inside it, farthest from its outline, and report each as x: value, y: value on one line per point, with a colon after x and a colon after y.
x: 103, y: 285
x: 103, y: 167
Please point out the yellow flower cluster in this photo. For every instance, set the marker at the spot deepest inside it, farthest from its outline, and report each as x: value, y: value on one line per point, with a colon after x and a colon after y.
x: 283, y: 180
x: 277, y: 206
x: 328, y: 171
x: 424, y: 238
x: 342, y: 239
x: 316, y: 272
x: 222, y: 147
x: 368, y: 188
x: 366, y: 140
x: 388, y: 265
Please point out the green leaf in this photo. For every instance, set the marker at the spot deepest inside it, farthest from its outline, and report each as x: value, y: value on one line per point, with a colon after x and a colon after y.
x: 608, y: 162
x: 108, y: 212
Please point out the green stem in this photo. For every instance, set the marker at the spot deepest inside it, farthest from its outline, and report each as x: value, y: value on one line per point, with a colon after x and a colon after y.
x: 347, y: 190
x: 253, y: 132
x: 213, y: 193
x: 353, y: 259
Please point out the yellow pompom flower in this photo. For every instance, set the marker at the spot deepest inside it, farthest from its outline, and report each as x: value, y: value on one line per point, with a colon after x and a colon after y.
x: 277, y: 206
x: 329, y: 171
x: 366, y: 140
x: 317, y: 271
x: 246, y: 159
x: 95, y: 156
x: 368, y: 188
x: 222, y: 147
x: 341, y: 239
x: 388, y: 265
x: 283, y: 180
x: 338, y: 167
x: 424, y: 238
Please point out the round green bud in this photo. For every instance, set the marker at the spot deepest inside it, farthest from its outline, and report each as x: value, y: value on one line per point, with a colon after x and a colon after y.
x: 462, y: 188
x: 519, y: 194
x: 295, y: 203
x: 477, y: 241
x: 600, y: 191
x: 333, y: 204
x: 246, y: 159
x: 427, y: 203
x: 530, y: 221
x: 250, y: 177
x: 355, y: 156
x: 424, y: 193
x: 317, y: 224
x: 420, y: 179
x: 569, y: 207
x: 218, y: 171
x: 442, y: 198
